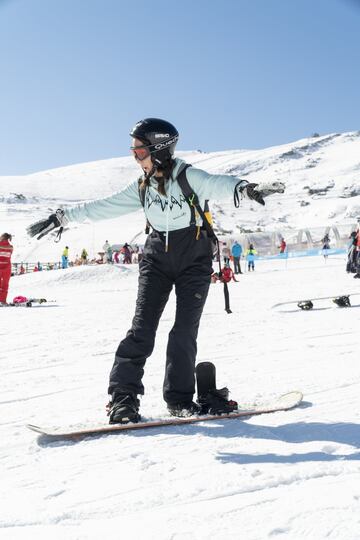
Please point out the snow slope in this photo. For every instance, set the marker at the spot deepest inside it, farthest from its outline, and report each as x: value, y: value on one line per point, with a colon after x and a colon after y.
x: 322, y: 175
x: 292, y: 475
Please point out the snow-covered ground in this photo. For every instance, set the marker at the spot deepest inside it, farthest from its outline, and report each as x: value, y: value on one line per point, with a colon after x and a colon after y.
x: 292, y: 475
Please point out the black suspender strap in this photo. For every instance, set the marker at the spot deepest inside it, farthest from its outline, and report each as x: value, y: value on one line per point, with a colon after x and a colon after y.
x: 187, y: 191
x: 193, y: 201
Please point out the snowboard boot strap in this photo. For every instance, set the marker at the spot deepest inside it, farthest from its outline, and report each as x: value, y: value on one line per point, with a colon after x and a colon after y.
x: 217, y: 402
x: 123, y: 409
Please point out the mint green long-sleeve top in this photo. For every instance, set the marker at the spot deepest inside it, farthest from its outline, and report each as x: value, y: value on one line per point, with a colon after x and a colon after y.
x: 164, y: 213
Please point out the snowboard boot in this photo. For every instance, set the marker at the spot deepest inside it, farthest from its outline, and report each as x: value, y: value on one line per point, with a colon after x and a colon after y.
x: 217, y: 402
x: 123, y: 408
x: 182, y: 410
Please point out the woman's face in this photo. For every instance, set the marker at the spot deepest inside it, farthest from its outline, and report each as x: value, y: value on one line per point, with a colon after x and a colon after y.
x: 144, y: 162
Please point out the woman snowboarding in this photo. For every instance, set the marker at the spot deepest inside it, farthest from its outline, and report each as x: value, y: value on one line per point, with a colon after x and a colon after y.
x: 177, y: 253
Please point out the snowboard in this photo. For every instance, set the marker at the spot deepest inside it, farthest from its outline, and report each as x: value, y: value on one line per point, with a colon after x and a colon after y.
x: 27, y: 303
x: 281, y: 403
x: 318, y: 303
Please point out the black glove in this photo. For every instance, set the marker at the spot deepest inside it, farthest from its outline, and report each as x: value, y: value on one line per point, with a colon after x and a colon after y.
x: 44, y: 226
x: 257, y: 192
x: 253, y: 194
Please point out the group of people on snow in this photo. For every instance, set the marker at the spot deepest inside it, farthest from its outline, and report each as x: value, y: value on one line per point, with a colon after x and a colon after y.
x: 65, y: 261
x: 124, y: 255
x: 234, y: 255
x: 127, y: 254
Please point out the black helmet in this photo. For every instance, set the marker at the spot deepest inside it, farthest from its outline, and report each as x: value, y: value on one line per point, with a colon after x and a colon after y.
x: 159, y: 136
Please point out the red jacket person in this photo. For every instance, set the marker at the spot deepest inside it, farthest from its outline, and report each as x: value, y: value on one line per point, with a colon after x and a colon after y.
x: 6, y: 250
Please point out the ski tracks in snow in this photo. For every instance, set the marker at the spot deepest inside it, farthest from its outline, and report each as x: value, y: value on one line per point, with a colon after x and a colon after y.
x: 290, y: 475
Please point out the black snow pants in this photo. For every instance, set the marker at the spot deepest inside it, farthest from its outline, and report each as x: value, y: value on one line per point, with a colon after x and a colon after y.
x: 237, y: 267
x: 187, y: 266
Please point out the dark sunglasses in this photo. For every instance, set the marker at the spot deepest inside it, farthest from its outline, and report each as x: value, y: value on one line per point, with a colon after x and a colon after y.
x: 140, y: 152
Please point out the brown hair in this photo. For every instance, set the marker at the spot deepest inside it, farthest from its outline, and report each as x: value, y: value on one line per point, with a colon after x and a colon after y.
x: 160, y: 181
x: 166, y: 169
x: 6, y: 236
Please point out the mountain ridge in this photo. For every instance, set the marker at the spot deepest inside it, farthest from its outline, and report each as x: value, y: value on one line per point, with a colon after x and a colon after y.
x: 321, y: 174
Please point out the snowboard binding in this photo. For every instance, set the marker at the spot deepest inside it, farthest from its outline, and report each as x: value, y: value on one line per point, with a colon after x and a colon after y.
x: 342, y: 301
x: 306, y: 305
x: 212, y: 400
x: 217, y: 402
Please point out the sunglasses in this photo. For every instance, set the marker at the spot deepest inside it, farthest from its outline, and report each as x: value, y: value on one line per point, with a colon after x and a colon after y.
x: 140, y: 152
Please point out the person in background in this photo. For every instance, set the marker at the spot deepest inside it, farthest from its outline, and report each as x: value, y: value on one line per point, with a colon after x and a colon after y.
x: 351, y: 254
x: 326, y: 245
x: 236, y: 252
x: 116, y: 257
x: 357, y: 251
x: 84, y: 256
x: 125, y: 250
x: 226, y: 275
x: 225, y: 253
x: 250, y: 257
x: 108, y: 252
x: 6, y: 250
x: 282, y: 246
x: 134, y: 256
x: 65, y: 258
x: 22, y: 270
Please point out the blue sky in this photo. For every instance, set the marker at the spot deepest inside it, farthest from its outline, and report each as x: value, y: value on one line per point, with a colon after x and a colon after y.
x: 76, y: 75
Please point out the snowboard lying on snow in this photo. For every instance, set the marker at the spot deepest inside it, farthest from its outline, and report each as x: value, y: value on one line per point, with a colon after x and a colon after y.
x: 22, y: 301
x: 281, y: 403
x: 318, y: 303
